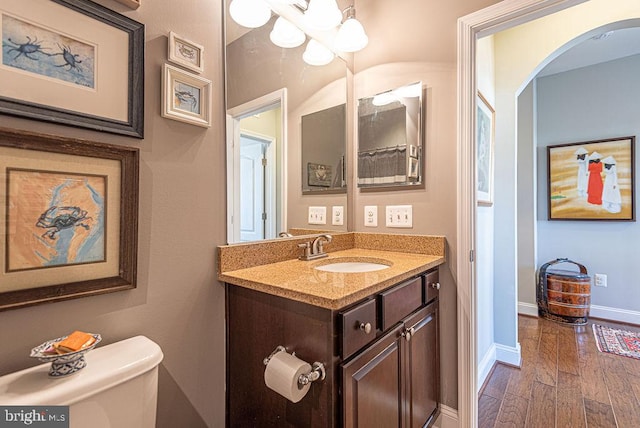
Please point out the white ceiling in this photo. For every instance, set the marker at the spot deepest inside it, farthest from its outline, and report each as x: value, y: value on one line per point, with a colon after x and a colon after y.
x: 619, y: 44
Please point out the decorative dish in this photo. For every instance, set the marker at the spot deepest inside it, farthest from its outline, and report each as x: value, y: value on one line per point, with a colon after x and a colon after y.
x: 63, y: 364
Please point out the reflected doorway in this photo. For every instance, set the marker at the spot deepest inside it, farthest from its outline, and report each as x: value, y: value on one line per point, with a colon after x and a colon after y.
x: 257, y: 186
x: 256, y: 165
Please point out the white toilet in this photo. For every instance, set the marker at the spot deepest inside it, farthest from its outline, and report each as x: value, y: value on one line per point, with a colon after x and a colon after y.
x: 117, y: 388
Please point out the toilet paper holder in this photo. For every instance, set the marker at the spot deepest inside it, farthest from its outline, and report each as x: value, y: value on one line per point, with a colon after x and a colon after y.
x: 317, y: 369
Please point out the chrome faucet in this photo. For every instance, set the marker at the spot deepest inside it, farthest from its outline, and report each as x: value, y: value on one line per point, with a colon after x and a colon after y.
x: 285, y: 235
x: 316, y: 247
x: 315, y: 250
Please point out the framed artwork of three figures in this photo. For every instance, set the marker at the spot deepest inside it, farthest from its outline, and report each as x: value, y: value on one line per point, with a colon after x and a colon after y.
x: 592, y: 180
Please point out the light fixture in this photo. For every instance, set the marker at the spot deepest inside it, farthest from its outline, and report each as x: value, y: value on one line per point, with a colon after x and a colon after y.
x: 384, y: 98
x: 351, y: 36
x: 250, y: 13
x: 323, y: 14
x: 317, y: 54
x: 409, y: 91
x: 286, y: 35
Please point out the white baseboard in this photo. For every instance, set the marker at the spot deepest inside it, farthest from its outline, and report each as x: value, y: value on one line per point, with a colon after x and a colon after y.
x: 509, y: 354
x: 485, y: 365
x: 596, y: 311
x: 527, y: 309
x: 448, y: 418
x: 497, y: 352
x: 615, y: 314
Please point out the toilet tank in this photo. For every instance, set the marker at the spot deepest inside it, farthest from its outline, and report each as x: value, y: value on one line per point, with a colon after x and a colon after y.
x: 117, y: 388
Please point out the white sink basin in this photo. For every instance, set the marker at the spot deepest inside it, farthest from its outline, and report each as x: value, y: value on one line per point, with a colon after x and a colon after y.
x: 352, y: 266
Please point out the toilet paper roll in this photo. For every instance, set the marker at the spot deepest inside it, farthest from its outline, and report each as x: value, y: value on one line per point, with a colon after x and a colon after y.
x: 282, y: 374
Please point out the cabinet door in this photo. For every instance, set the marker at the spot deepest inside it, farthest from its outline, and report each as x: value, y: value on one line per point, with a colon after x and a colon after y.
x: 372, y: 384
x: 422, y: 366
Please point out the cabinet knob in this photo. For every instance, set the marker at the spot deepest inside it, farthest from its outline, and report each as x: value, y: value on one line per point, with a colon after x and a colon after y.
x: 407, y: 333
x: 435, y: 285
x: 365, y: 327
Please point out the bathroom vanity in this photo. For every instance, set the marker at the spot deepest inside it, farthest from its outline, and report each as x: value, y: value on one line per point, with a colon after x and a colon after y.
x: 376, y: 334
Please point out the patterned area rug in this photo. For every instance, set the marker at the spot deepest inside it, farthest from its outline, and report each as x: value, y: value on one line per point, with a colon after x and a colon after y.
x: 619, y: 342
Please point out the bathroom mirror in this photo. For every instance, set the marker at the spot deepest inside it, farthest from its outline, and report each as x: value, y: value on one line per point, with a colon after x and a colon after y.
x: 272, y: 95
x: 390, y: 138
x: 324, y: 143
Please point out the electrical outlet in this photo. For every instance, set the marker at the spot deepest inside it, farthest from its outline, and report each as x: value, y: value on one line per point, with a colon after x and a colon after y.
x: 399, y: 216
x: 317, y: 215
x: 600, y: 280
x: 371, y: 215
x: 337, y: 217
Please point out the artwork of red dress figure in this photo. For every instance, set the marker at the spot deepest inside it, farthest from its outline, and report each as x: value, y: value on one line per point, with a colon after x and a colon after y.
x: 594, y: 188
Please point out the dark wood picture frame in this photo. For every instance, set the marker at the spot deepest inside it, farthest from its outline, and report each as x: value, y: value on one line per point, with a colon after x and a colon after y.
x: 578, y: 191
x: 127, y: 161
x: 133, y: 126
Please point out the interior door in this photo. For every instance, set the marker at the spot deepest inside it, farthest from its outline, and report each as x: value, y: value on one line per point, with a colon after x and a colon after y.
x: 252, y: 189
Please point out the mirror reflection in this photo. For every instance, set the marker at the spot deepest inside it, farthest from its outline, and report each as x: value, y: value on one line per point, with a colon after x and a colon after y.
x: 272, y: 96
x: 390, y: 138
x: 324, y: 141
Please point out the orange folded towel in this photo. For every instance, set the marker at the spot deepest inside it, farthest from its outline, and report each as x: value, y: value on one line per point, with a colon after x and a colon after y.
x: 74, y: 342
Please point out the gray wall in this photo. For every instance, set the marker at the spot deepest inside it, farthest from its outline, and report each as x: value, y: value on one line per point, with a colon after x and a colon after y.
x: 594, y: 102
x: 178, y: 302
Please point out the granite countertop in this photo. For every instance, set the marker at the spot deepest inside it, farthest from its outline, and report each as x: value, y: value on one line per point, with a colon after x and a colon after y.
x: 299, y: 280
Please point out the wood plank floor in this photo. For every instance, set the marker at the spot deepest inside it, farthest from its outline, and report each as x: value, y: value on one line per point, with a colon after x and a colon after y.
x: 564, y: 381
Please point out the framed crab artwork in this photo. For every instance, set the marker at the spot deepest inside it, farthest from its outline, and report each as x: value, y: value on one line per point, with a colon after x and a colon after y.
x: 185, y: 53
x: 186, y: 97
x: 72, y: 62
x: 70, y: 218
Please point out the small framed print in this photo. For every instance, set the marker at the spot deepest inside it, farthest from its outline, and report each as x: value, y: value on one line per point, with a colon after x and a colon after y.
x: 319, y: 174
x: 186, y: 97
x: 185, y: 53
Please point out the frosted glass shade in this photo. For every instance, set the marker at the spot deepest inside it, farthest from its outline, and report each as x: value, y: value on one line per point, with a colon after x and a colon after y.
x: 286, y: 35
x: 323, y: 14
x: 250, y: 13
x: 351, y: 36
x: 317, y: 54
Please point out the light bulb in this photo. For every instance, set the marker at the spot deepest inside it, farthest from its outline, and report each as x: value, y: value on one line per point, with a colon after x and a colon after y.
x: 383, y: 99
x: 286, y: 35
x: 317, y: 54
x: 351, y: 36
x: 323, y: 14
x: 250, y: 13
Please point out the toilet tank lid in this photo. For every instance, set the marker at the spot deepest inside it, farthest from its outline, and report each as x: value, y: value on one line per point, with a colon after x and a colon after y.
x: 107, y: 366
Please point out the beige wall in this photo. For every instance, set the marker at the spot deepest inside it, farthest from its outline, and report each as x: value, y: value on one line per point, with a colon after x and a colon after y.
x: 411, y: 41
x: 178, y: 302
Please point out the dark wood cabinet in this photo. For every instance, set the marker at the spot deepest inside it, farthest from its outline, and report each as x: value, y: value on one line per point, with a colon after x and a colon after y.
x: 394, y: 382
x: 380, y: 355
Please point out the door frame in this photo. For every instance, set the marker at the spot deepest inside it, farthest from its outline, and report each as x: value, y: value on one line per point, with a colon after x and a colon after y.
x: 493, y: 19
x: 233, y: 118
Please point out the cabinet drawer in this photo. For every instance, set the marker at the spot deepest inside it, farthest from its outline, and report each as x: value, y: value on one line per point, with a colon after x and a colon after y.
x: 431, y: 286
x: 358, y: 327
x: 399, y: 302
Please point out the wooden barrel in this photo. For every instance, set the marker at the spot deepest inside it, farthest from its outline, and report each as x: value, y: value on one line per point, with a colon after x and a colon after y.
x: 564, y: 296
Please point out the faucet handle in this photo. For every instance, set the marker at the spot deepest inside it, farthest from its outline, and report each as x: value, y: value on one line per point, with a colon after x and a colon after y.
x: 307, y: 250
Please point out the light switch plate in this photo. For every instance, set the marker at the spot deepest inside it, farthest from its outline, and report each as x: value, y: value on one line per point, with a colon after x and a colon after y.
x: 399, y: 216
x: 371, y: 215
x: 337, y: 215
x: 317, y: 215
